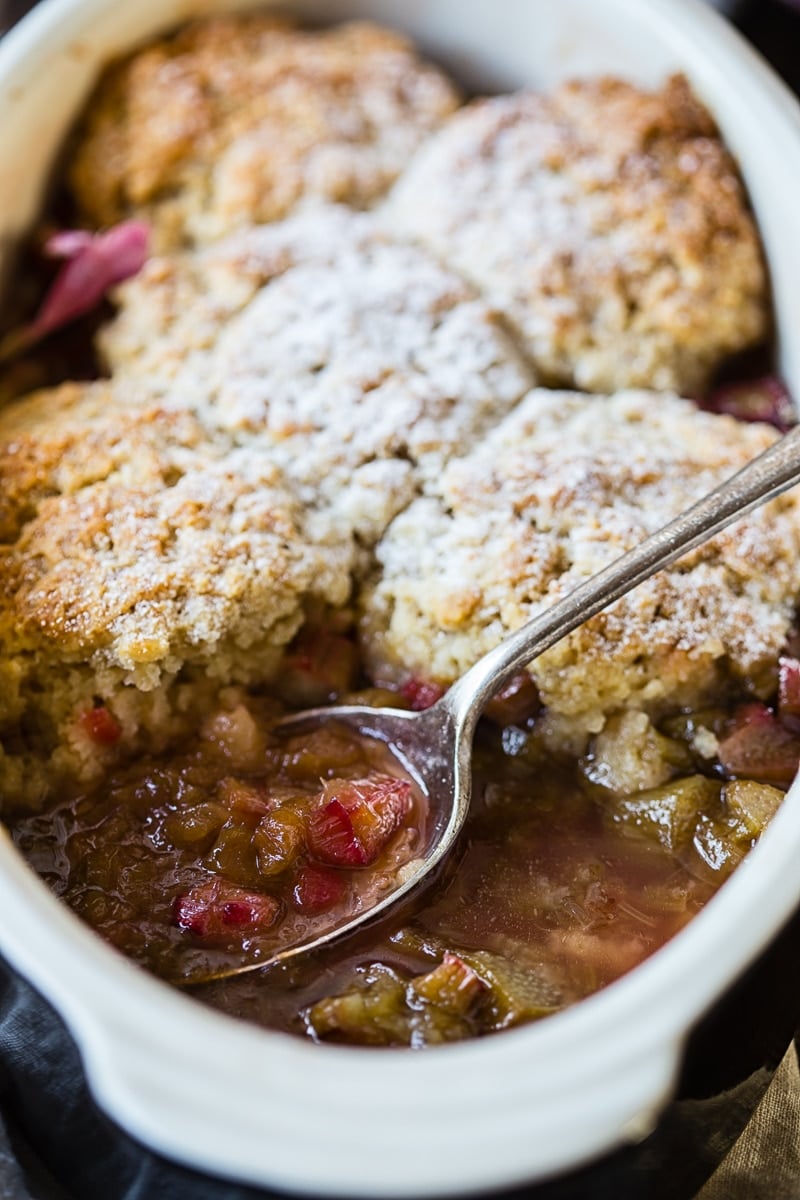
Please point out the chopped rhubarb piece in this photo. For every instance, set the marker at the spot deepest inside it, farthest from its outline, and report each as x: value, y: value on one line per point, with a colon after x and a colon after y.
x: 516, y: 702
x: 320, y: 667
x: 789, y: 686
x: 421, y: 695
x: 214, y: 909
x: 453, y: 985
x: 317, y: 889
x: 195, y: 826
x: 384, y: 1010
x: 245, y: 800
x: 102, y: 726
x: 237, y: 735
x: 192, y: 912
x: 278, y: 840
x: 378, y: 811
x: 321, y: 754
x: 93, y: 264
x: 357, y: 819
x: 759, y: 747
x: 373, y: 1014
x: 237, y: 913
x: 765, y: 399
x: 332, y: 838
x: 233, y: 855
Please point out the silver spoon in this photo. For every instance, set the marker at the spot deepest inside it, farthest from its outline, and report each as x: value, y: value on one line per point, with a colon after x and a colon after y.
x: 435, y: 746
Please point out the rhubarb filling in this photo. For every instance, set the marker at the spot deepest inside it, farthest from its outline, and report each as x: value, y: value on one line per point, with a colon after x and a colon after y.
x: 570, y: 872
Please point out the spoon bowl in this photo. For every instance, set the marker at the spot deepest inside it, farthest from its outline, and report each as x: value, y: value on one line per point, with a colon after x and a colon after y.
x: 434, y: 747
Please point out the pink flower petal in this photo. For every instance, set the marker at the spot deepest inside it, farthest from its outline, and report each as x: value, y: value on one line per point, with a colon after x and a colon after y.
x: 90, y: 270
x: 68, y: 243
x: 94, y: 263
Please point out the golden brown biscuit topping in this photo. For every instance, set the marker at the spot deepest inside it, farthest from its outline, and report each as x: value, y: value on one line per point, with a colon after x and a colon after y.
x: 237, y: 120
x: 607, y: 223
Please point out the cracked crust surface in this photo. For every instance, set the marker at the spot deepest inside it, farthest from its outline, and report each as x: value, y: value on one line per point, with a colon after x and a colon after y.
x: 236, y: 120
x: 563, y: 486
x: 280, y: 394
x: 357, y: 362
x: 159, y: 547
x: 609, y: 225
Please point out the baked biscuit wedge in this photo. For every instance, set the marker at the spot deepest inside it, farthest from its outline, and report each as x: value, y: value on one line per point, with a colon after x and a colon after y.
x: 563, y: 486
x: 609, y: 224
x: 240, y: 119
x: 144, y: 567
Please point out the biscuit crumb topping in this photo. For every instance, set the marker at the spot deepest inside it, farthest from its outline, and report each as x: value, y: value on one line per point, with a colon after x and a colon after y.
x: 237, y: 120
x: 608, y: 224
x: 312, y: 408
x: 564, y: 485
x: 357, y: 362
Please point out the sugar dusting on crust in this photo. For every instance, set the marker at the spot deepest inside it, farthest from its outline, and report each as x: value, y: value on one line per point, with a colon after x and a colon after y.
x: 57, y: 442
x: 237, y: 120
x: 608, y: 224
x: 364, y: 374
x: 562, y: 487
x: 158, y: 546
x: 280, y: 395
x: 358, y: 363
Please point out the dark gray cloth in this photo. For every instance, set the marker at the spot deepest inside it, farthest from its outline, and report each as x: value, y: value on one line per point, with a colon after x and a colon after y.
x: 12, y: 1181
x: 22, y: 1176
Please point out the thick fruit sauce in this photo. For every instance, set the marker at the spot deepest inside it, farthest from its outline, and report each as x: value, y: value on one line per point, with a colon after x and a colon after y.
x: 237, y: 848
x: 568, y: 874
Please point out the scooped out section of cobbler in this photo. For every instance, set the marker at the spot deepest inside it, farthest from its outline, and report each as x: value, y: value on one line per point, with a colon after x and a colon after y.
x: 242, y: 844
x: 596, y: 833
x: 322, y: 471
x: 569, y: 873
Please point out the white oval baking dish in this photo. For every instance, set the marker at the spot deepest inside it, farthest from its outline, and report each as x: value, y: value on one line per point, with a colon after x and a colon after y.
x: 265, y: 1108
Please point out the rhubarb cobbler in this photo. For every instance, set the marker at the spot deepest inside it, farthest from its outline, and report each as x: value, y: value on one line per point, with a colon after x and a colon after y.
x: 282, y: 428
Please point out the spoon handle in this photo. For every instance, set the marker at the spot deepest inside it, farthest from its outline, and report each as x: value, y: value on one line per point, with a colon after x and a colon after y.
x: 767, y: 476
